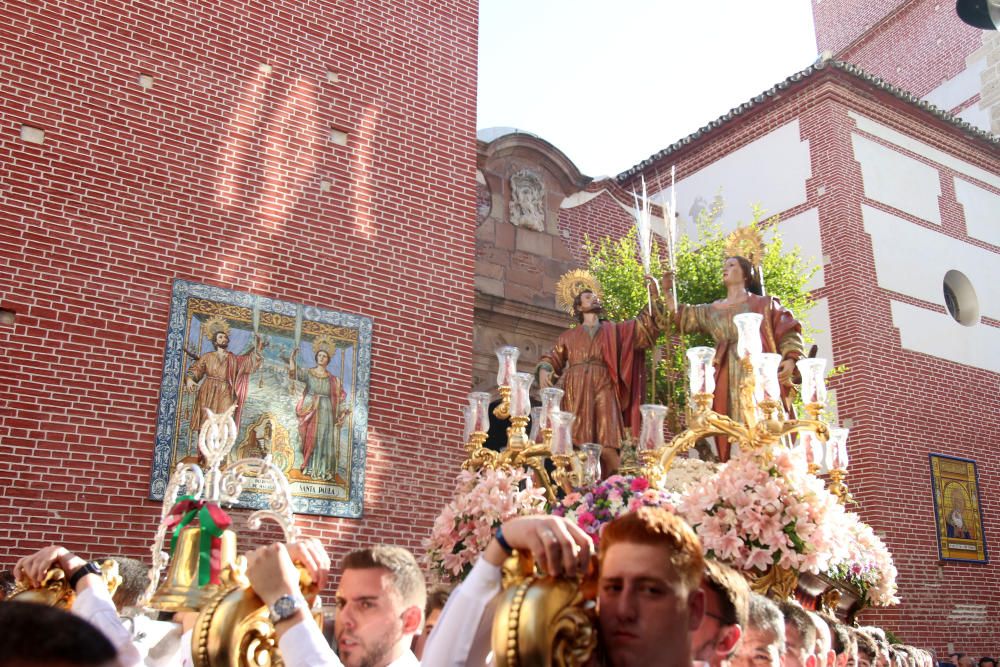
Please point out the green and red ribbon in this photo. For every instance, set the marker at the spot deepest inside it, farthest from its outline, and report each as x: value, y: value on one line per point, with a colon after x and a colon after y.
x: 213, y: 522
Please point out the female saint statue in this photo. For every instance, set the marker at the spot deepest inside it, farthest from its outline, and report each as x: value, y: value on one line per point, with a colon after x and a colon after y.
x: 780, y: 332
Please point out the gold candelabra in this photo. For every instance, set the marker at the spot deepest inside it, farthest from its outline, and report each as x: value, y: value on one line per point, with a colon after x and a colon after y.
x: 764, y: 425
x: 522, y: 451
x: 502, y: 411
x: 837, y: 486
x: 763, y: 421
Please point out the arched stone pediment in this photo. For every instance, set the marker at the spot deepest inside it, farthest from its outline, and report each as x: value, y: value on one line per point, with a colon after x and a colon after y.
x: 524, y: 147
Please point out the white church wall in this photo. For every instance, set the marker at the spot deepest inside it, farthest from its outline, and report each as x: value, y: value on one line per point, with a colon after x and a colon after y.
x: 770, y: 171
x: 982, y: 211
x: 912, y: 261
x: 898, y: 180
x: 918, y: 147
x: 802, y: 230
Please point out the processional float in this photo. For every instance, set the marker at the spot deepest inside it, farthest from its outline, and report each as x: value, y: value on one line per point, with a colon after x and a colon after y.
x: 546, y: 620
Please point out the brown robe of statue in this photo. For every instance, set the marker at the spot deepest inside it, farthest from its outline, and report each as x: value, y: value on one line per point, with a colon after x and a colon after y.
x: 602, y: 370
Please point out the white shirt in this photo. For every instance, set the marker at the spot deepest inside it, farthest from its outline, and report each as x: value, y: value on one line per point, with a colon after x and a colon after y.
x: 462, y: 634
x: 303, y: 645
x: 94, y: 605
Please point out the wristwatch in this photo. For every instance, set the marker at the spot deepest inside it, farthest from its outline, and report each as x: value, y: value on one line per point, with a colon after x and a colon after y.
x: 285, y: 606
x: 90, y: 567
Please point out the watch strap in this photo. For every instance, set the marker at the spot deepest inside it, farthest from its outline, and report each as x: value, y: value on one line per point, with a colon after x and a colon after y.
x: 285, y: 606
x: 90, y: 567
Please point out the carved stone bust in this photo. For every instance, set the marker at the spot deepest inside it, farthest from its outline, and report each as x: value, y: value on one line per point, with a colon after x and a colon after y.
x: 527, y: 200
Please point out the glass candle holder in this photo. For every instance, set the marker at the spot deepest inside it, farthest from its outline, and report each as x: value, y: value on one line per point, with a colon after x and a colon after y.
x: 520, y: 388
x: 479, y: 405
x: 551, y: 400
x: 591, y: 463
x: 535, y: 435
x: 651, y: 432
x: 837, y: 446
x: 467, y: 422
x: 748, y: 329
x: 701, y: 372
x: 506, y: 364
x: 813, y: 448
x: 562, y: 432
x: 767, y: 376
x: 813, y: 372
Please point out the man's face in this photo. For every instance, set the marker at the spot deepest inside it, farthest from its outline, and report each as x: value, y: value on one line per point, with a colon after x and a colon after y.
x: 590, y: 303
x: 759, y: 648
x: 796, y: 655
x: 221, y: 340
x: 646, y: 614
x: 369, y: 622
x: 712, y: 641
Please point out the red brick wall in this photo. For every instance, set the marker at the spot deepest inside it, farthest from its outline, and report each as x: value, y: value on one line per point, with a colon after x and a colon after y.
x: 599, y: 217
x: 902, y: 405
x: 214, y: 175
x: 905, y: 405
x: 918, y: 46
x: 840, y: 22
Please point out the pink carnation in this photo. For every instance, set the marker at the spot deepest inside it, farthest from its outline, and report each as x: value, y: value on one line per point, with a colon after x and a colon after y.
x: 638, y: 484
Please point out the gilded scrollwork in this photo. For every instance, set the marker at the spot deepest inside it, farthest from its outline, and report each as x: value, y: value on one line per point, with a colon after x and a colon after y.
x: 541, y: 620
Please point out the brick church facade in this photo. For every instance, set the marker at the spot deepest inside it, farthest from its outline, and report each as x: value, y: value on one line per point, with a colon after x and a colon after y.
x: 315, y: 152
x: 895, y: 196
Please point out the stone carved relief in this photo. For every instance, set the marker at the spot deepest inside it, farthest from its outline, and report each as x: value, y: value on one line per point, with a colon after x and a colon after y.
x: 484, y: 198
x: 527, y: 200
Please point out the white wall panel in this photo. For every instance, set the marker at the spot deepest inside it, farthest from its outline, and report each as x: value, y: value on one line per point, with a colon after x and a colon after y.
x: 802, y: 230
x: 940, y: 336
x: 982, y: 211
x: 913, y: 260
x: 898, y: 180
x: 920, y: 148
x: 770, y: 171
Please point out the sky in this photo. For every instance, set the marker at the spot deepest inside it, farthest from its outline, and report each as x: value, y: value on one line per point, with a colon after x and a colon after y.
x: 611, y: 83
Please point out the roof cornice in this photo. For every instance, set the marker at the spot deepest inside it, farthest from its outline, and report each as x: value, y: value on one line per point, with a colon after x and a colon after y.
x: 800, y: 79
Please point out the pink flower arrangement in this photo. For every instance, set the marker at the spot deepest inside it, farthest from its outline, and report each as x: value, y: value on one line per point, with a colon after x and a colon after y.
x: 753, y: 516
x: 868, y: 565
x: 591, y: 509
x: 483, y: 500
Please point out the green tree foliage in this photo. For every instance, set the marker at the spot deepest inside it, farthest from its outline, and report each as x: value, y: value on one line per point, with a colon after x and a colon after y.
x: 698, y: 279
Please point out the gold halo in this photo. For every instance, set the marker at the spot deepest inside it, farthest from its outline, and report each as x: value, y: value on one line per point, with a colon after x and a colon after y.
x: 746, y: 242
x: 216, y: 325
x: 571, y: 284
x: 324, y: 344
